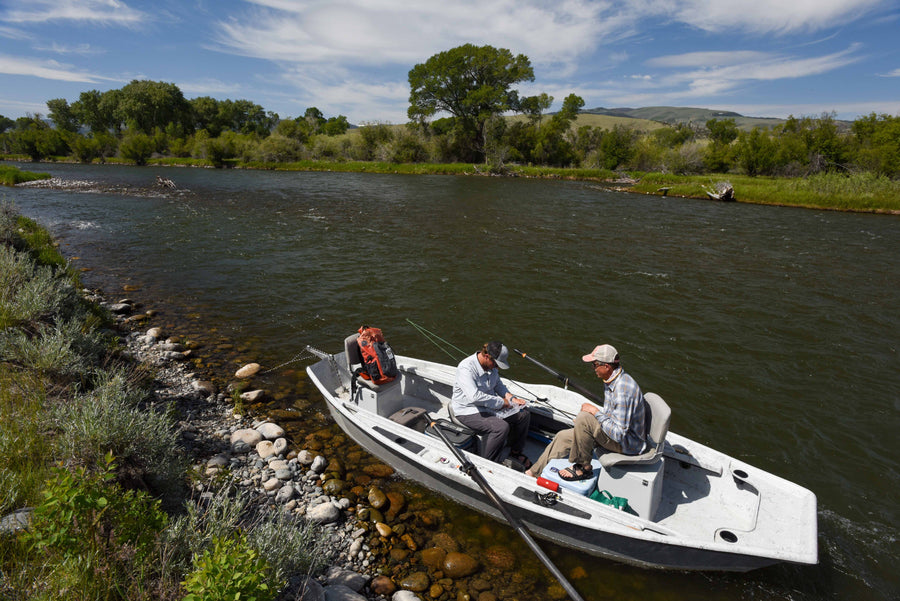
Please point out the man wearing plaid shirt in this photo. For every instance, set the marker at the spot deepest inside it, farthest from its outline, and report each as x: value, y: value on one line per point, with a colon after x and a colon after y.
x: 618, y: 426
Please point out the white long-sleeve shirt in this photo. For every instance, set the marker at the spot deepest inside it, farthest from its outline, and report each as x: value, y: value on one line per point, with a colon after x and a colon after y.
x: 475, y: 388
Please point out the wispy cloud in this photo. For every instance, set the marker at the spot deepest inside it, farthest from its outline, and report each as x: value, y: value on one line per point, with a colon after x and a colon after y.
x: 79, y: 49
x: 769, y: 16
x: 385, y: 32
x: 104, y: 12
x: 13, y: 65
x: 894, y: 73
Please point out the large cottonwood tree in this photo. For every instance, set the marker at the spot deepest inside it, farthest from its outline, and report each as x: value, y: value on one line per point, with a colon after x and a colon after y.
x: 471, y: 83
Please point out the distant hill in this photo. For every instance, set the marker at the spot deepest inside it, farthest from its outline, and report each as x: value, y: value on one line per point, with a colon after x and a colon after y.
x: 678, y: 114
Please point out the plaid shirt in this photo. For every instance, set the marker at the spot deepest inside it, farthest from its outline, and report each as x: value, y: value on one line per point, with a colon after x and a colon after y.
x: 622, y: 415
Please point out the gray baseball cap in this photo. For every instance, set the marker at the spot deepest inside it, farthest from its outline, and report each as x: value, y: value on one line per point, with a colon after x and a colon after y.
x: 499, y: 353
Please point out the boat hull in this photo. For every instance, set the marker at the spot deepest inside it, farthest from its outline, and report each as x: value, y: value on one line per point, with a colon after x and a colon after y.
x: 557, y: 531
x: 715, y: 513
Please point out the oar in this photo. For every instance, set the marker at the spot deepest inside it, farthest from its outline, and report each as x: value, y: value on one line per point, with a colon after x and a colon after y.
x: 562, y: 377
x: 470, y: 470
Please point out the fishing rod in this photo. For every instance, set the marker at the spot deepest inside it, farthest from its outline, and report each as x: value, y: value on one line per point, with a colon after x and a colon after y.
x: 561, y: 377
x: 469, y: 468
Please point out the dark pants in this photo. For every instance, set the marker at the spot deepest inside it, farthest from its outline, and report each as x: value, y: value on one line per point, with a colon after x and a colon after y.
x: 496, y: 431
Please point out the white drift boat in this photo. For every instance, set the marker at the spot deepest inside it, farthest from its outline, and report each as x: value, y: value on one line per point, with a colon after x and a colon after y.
x: 691, y: 507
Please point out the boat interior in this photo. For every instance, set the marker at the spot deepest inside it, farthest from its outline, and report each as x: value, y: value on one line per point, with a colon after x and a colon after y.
x: 678, y: 485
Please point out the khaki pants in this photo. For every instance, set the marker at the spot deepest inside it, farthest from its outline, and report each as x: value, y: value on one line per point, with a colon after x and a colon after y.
x: 576, y: 443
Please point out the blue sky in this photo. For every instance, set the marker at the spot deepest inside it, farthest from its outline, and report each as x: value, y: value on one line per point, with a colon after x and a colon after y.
x: 768, y: 58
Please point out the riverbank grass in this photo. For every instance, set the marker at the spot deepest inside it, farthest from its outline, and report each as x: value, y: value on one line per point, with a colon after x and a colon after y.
x: 100, y: 465
x: 864, y: 192
x: 10, y: 175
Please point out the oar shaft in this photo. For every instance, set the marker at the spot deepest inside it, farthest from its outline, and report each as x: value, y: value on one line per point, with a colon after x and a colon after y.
x: 471, y: 470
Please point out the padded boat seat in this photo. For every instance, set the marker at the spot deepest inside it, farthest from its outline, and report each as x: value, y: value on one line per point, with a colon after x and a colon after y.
x: 639, y: 478
x: 479, y: 438
x: 582, y: 487
x: 658, y: 415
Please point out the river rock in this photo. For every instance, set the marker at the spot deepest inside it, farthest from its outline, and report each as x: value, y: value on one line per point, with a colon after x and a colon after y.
x: 248, y: 371
x: 284, y: 494
x: 402, y: 595
x: 247, y: 436
x: 378, y: 470
x: 120, y: 308
x: 434, y: 557
x: 435, y: 590
x: 319, y: 464
x: 304, y: 457
x: 271, y: 484
x: 333, y: 487
x: 252, y: 396
x: 417, y: 582
x: 397, y: 504
x: 500, y: 557
x: 339, y: 592
x: 377, y: 498
x: 445, y: 542
x: 266, y: 448
x: 154, y: 333
x: 459, y: 565
x: 280, y: 445
x: 324, y: 513
x: 382, y: 585
x: 335, y: 575
x: 205, y: 387
x: 310, y: 590
x: 383, y: 529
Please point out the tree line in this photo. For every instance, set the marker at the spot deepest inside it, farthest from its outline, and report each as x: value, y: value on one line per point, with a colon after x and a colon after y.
x: 488, y: 122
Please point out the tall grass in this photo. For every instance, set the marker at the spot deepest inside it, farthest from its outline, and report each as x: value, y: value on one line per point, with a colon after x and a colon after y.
x: 847, y: 192
x: 81, y: 442
x: 10, y: 176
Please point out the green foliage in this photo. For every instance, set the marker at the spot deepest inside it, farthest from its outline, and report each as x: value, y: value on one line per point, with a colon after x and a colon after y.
x: 472, y: 83
x: 137, y: 147
x: 111, y: 417
x: 10, y: 176
x: 87, y: 534
x: 229, y: 571
x: 82, y: 513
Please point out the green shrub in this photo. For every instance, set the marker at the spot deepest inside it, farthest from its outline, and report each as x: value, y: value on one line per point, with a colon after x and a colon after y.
x: 87, y: 534
x: 110, y: 417
x: 229, y: 571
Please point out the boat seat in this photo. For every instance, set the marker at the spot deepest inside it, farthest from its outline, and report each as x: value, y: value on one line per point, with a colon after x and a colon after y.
x: 479, y: 438
x: 639, y: 478
x: 658, y: 415
x: 355, y: 362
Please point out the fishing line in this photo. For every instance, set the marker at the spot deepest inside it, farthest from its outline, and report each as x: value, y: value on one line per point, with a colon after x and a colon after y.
x: 434, y: 338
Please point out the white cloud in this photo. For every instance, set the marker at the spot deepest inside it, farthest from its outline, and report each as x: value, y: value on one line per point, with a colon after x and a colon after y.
x: 771, y: 16
x: 894, y: 73
x: 80, y: 49
x: 106, y: 12
x: 13, y: 65
x: 394, y: 32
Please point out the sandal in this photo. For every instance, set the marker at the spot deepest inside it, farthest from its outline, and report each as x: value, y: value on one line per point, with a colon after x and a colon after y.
x: 577, y: 472
x: 521, y: 458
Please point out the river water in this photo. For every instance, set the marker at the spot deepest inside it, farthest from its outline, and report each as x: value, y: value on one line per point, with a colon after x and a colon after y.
x: 771, y: 332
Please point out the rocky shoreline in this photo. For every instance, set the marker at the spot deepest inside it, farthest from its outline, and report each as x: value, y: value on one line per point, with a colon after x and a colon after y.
x: 367, y: 528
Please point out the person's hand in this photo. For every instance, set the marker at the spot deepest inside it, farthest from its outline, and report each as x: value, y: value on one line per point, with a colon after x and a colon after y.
x: 518, y: 401
x: 592, y: 409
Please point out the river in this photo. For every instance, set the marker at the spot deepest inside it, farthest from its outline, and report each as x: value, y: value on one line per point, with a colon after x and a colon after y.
x: 771, y: 332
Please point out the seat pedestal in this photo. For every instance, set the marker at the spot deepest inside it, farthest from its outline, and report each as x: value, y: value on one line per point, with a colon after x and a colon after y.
x: 641, y: 484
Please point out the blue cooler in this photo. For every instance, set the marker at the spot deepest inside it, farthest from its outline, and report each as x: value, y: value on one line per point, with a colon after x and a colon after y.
x: 582, y: 487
